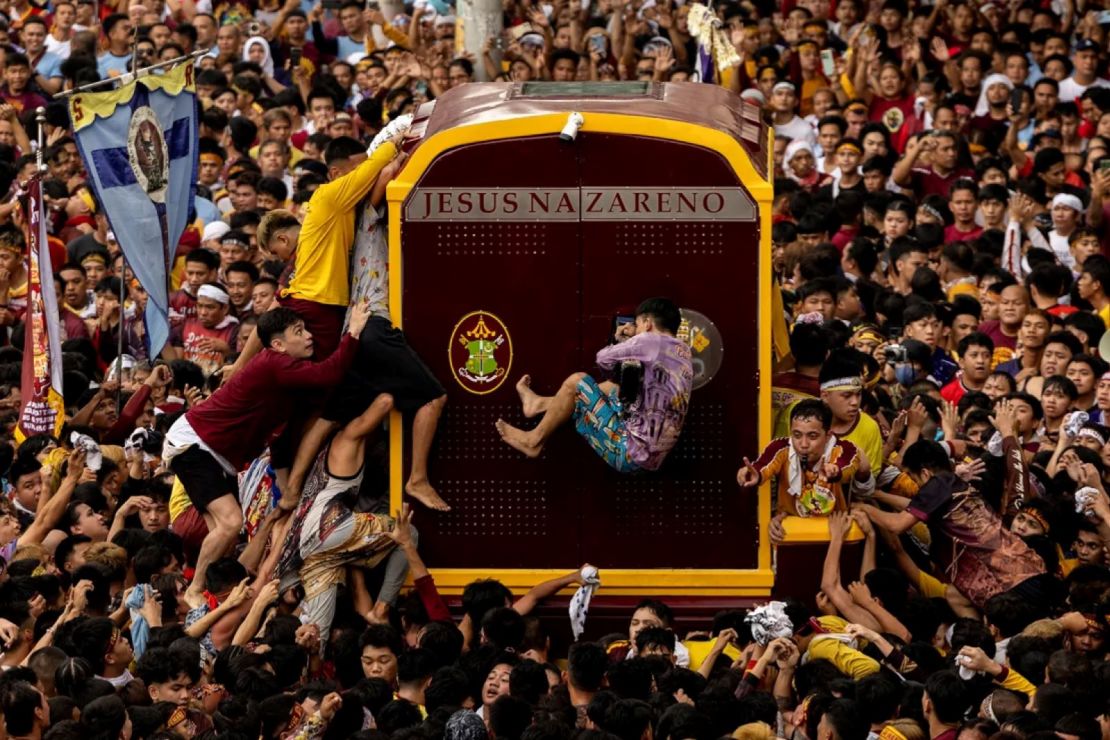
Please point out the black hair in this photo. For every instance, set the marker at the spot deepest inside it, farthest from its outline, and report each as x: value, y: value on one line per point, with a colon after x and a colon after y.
x: 654, y: 637
x: 478, y: 597
x: 630, y: 679
x: 224, y: 574
x: 273, y: 323
x: 948, y: 694
x: 160, y: 665
x: 398, y: 715
x: 509, y: 717
x: 925, y: 454
x: 19, y: 700
x: 104, y: 717
x: 503, y: 628
x: 381, y: 636
x: 586, y: 665
x: 342, y: 147
x: 663, y: 312
x: 628, y: 719
x: 528, y: 681
x: 812, y: 408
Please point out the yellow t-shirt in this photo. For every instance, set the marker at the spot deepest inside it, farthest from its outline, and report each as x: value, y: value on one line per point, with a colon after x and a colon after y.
x: 848, y: 660
x: 1104, y: 314
x: 179, y: 500
x: 699, y: 651
x: 323, y: 250
x: 929, y: 586
x: 868, y: 439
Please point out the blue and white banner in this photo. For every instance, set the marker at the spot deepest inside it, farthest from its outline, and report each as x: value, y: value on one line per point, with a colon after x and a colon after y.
x: 139, y: 144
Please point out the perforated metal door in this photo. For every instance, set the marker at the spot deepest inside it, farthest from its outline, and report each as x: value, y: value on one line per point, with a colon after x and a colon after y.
x: 508, y: 511
x: 556, y: 284
x: 690, y: 514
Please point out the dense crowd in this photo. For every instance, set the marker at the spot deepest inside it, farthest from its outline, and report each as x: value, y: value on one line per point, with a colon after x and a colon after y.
x: 198, y: 555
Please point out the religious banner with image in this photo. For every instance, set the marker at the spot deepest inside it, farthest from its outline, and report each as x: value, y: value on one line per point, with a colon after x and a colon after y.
x: 139, y: 145
x: 43, y: 410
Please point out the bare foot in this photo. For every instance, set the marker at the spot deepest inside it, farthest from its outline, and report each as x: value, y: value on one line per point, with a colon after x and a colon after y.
x: 422, y: 491
x: 517, y: 439
x: 528, y: 398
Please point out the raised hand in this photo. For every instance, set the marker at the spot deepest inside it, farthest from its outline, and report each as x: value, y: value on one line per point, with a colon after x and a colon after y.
x: 747, y: 476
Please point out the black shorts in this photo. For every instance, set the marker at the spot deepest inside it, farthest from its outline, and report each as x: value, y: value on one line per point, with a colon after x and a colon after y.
x: 385, y: 364
x: 205, y: 480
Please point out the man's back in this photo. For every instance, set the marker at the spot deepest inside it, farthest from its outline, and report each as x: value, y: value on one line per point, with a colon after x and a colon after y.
x: 655, y: 419
x: 323, y: 248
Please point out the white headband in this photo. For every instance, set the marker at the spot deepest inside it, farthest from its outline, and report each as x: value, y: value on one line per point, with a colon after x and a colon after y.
x: 213, y: 293
x: 1069, y: 200
x: 843, y: 384
x: 1091, y: 433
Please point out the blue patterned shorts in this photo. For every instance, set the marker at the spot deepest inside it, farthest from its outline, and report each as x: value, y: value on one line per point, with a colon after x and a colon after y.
x: 597, y: 417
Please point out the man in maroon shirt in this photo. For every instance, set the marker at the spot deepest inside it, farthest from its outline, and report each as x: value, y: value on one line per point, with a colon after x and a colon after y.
x: 1013, y: 304
x: 937, y: 178
x: 213, y: 441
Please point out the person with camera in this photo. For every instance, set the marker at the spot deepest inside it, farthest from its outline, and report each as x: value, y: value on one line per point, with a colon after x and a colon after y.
x: 629, y: 435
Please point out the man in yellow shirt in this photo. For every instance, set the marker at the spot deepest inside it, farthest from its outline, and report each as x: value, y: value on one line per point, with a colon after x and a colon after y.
x: 319, y: 286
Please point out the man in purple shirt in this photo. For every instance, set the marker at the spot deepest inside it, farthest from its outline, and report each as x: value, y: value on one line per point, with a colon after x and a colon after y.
x: 628, y: 439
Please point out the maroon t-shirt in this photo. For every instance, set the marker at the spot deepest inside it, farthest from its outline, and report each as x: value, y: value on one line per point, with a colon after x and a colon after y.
x: 928, y: 182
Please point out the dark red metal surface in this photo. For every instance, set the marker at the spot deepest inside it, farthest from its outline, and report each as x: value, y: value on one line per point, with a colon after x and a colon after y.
x: 556, y: 286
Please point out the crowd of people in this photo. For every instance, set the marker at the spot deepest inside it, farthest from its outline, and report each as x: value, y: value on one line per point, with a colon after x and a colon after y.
x: 199, y: 553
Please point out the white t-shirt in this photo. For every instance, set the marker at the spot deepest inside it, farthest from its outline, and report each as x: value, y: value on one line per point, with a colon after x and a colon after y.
x: 1070, y: 90
x: 796, y: 129
x: 58, y: 48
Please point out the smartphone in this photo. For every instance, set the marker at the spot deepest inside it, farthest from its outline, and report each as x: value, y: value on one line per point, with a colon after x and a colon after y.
x: 1017, y: 99
x: 295, y: 57
x: 1104, y: 165
x: 828, y: 64
x: 597, y: 43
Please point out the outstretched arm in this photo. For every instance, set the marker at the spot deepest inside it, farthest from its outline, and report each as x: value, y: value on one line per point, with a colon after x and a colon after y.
x: 839, y: 525
x: 525, y: 604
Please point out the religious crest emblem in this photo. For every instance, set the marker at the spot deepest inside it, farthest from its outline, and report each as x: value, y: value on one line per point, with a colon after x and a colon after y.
x: 480, y: 352
x: 148, y: 154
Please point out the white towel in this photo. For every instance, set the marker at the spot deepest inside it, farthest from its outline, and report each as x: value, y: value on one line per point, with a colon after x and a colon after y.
x: 93, y: 457
x: 580, y: 602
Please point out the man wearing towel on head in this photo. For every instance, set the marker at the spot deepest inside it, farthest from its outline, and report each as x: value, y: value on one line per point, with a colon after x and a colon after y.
x: 208, y: 338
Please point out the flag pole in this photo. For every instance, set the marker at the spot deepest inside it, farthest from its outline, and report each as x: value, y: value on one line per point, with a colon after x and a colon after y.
x: 130, y: 76
x: 40, y: 121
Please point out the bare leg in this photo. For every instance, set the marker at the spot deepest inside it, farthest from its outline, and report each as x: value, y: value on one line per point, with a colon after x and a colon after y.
x: 533, y: 403
x: 423, y: 432
x: 559, y: 410
x: 225, y: 523
x: 307, y: 450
